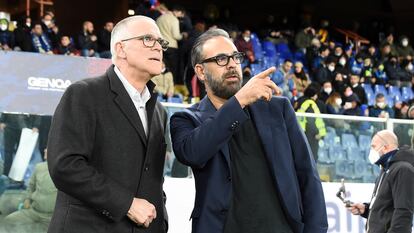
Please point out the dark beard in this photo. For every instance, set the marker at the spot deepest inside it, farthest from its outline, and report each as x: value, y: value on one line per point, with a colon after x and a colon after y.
x: 222, y: 90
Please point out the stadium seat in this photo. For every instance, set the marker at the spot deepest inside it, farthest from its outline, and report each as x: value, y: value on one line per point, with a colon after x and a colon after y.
x: 323, y: 155
x: 337, y: 153
x: 380, y: 89
x: 355, y: 153
x: 348, y: 140
x: 269, y: 49
x: 406, y: 93
x: 364, y: 141
x: 367, y: 87
x: 393, y: 91
x: 344, y: 169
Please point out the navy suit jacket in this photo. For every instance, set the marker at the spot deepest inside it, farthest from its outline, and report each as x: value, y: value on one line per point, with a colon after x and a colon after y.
x: 200, y: 136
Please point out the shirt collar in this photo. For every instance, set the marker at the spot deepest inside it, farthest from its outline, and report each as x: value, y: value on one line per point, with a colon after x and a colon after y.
x: 142, y: 98
x: 384, y: 161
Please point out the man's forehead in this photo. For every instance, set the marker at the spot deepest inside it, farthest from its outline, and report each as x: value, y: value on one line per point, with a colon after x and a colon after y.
x: 143, y: 27
x: 218, y: 45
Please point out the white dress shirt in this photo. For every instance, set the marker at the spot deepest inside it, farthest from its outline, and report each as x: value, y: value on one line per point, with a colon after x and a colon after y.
x: 139, y: 99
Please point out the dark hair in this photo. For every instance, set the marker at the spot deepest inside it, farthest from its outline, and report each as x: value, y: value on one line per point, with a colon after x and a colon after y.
x: 197, y: 50
x: 379, y: 95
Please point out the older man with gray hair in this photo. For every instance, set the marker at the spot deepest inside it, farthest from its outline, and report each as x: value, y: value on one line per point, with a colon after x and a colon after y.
x: 392, y: 203
x: 106, y: 143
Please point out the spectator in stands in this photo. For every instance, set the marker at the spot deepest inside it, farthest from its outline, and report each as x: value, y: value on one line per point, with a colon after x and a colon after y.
x: 390, y: 41
x: 323, y: 32
x: 314, y: 127
x: 164, y: 83
x: 380, y: 75
x: 367, y: 71
x: 66, y: 47
x: 312, y: 54
x: 22, y: 34
x: 326, y: 91
x: 372, y: 53
x: 381, y: 109
x: 201, y: 138
x: 300, y: 78
x: 339, y: 84
x: 334, y: 104
x: 38, y: 205
x: 385, y: 53
x: 319, y: 61
x: 357, y: 88
x: 304, y: 38
x: 342, y: 65
x: 283, y: 78
x: 244, y: 44
x: 392, y: 203
x: 6, y: 37
x: 51, y: 29
x: 87, y: 41
x: 104, y: 40
x: 182, y: 16
x: 326, y: 72
x: 338, y: 51
x: 351, y: 106
x: 410, y: 113
x: 393, y: 71
x: 170, y: 30
x: 404, y: 49
x: 145, y: 8
x: 356, y: 64
x: 406, y: 73
x: 40, y: 41
x: 401, y: 110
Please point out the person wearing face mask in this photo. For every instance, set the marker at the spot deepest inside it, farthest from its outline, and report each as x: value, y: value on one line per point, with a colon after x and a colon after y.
x: 22, y: 34
x: 406, y: 73
x: 392, y: 204
x: 393, y: 71
x: 381, y: 109
x: 380, y: 75
x: 404, y: 49
x: 300, y: 78
x: 326, y: 72
x: 334, y: 104
x: 50, y: 29
x: 326, y: 91
x: 6, y: 36
x: 244, y: 44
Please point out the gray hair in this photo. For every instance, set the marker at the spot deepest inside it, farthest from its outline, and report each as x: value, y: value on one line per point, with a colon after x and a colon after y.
x: 120, y: 31
x: 388, y: 137
x: 197, y: 50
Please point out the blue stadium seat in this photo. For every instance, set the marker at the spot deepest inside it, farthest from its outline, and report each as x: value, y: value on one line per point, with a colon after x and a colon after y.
x: 323, y: 155
x: 362, y: 169
x: 390, y: 101
x: 348, y: 140
x: 370, y: 98
x: 406, y: 93
x: 380, y: 89
x: 368, y: 88
x: 257, y: 47
x: 269, y: 49
x: 344, y: 169
x: 393, y: 91
x: 355, y: 153
x: 364, y: 141
x: 337, y: 153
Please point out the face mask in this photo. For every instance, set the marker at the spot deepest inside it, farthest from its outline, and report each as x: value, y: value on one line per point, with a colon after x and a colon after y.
x: 3, y: 27
x: 381, y: 105
x: 354, y: 85
x: 404, y: 43
x: 374, y: 156
x: 328, y: 90
x: 338, y: 102
x: 246, y: 38
x: 331, y: 68
x: 338, y: 54
x: 348, y: 93
x: 410, y: 66
x: 47, y: 22
x: 342, y: 62
x: 28, y: 25
x: 163, y: 70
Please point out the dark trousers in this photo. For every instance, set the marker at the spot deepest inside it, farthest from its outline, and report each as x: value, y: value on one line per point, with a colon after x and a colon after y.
x: 11, y: 142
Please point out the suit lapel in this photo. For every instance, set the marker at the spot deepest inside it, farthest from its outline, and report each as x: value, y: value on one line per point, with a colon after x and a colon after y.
x: 124, y: 102
x: 206, y: 109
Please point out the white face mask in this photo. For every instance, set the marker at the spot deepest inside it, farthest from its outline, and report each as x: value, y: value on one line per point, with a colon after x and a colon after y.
x: 3, y: 27
x: 28, y: 24
x: 47, y: 22
x: 338, y: 102
x: 331, y: 68
x: 381, y: 105
x: 374, y: 155
x: 410, y: 66
x: 342, y: 62
x: 246, y: 38
x: 354, y: 85
x: 404, y: 43
x: 328, y: 90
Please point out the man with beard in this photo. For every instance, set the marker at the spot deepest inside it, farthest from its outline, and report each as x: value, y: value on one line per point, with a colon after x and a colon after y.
x: 253, y: 168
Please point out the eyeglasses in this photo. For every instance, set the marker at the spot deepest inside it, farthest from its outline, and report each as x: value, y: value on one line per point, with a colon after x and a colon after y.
x: 223, y: 59
x: 149, y: 41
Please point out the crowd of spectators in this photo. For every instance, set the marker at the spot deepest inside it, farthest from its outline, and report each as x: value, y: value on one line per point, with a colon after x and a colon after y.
x: 374, y: 79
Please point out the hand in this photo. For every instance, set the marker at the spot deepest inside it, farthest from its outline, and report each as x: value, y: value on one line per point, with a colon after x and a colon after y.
x: 142, y: 212
x: 35, y: 130
x: 93, y: 38
x: 357, y: 208
x: 258, y: 87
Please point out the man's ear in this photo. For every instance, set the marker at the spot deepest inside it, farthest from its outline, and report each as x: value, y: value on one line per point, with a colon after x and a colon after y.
x: 200, y: 72
x: 120, y: 52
